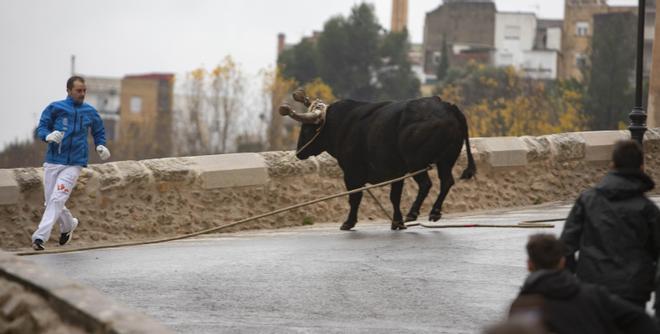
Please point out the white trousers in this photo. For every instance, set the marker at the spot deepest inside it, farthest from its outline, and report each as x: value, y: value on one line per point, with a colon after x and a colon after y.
x: 59, y: 181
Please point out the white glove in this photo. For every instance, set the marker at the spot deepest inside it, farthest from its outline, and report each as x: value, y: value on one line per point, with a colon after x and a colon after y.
x: 103, y: 152
x: 55, y: 137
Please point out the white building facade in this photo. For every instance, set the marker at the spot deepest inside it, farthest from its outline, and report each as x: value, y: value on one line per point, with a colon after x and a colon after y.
x: 527, y: 44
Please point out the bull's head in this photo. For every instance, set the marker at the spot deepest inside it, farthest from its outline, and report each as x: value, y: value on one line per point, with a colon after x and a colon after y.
x: 312, y: 123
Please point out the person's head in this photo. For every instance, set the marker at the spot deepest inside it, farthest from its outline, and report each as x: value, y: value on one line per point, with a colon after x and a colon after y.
x: 544, y: 251
x: 76, y: 89
x: 627, y: 155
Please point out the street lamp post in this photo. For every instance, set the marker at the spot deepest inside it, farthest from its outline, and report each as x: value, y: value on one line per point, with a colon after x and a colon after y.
x: 637, y: 116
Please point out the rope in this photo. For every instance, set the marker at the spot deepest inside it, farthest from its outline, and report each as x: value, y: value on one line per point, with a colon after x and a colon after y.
x: 481, y: 225
x: 382, y: 208
x: 542, y: 220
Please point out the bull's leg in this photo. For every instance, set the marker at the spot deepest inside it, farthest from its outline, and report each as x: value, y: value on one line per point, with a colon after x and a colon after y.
x: 354, y: 200
x: 446, y: 182
x: 395, y: 198
x: 424, y: 185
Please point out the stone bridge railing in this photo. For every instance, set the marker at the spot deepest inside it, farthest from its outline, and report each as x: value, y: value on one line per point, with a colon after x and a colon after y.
x: 132, y: 200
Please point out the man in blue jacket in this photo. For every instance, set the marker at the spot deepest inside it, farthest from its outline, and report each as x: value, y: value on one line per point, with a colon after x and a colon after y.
x: 64, y: 125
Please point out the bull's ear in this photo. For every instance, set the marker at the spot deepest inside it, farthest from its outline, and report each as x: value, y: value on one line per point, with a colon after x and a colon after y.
x: 300, y: 96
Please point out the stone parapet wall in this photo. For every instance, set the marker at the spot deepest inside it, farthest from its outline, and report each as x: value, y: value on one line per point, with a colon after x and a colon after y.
x: 149, y: 199
x: 35, y: 301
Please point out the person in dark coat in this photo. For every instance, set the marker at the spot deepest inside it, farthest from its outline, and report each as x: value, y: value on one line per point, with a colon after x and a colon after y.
x: 616, y: 229
x: 556, y: 300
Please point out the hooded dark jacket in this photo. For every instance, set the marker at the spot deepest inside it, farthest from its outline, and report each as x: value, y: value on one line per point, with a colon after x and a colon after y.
x: 616, y: 230
x: 562, y: 304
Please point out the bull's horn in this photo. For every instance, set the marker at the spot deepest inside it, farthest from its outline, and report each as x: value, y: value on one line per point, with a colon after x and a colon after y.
x: 300, y: 96
x: 307, y: 118
x: 285, y: 110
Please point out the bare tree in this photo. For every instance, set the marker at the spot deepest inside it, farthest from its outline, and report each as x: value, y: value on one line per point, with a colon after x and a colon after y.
x: 276, y: 89
x: 196, y: 134
x: 226, y: 94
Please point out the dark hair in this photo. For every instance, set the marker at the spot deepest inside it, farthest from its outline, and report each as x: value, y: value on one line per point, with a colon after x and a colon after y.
x: 69, y: 83
x: 545, y: 251
x: 627, y: 154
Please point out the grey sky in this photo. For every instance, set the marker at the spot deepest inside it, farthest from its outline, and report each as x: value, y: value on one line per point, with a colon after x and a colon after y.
x: 118, y: 37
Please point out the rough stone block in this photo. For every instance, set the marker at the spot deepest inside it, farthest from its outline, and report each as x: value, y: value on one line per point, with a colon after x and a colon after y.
x: 133, y: 172
x: 8, y: 187
x: 566, y: 146
x: 169, y: 169
x: 13, y: 307
x: 651, y: 136
x: 502, y: 151
x: 599, y: 144
x: 538, y: 148
x: 230, y: 170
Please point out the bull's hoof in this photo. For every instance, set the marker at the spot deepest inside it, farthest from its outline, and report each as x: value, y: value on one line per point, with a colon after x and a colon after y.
x: 411, y: 217
x: 347, y: 226
x: 434, y: 217
x: 398, y: 225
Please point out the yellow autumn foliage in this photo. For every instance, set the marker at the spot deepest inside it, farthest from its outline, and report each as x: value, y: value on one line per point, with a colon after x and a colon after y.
x: 500, y: 102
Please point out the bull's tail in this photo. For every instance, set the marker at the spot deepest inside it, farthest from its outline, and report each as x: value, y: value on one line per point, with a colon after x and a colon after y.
x: 471, y: 168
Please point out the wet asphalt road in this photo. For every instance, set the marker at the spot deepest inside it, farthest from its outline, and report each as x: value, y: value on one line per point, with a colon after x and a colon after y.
x: 321, y: 280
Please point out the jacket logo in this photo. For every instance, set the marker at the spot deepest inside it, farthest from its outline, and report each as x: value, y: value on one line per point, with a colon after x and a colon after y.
x: 63, y: 188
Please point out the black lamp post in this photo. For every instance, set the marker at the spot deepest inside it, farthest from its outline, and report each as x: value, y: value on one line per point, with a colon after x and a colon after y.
x: 638, y: 115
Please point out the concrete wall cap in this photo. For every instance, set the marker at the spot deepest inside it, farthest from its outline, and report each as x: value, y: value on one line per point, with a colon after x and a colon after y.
x: 502, y: 151
x: 9, y: 190
x: 230, y: 170
x: 599, y: 144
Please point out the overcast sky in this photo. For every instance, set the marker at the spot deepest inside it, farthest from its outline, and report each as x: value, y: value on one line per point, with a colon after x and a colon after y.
x: 117, y: 37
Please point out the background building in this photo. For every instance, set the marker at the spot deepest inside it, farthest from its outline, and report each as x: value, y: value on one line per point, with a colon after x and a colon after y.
x: 146, y: 115
x: 103, y: 94
x: 467, y: 26
x: 528, y: 44
x: 577, y: 33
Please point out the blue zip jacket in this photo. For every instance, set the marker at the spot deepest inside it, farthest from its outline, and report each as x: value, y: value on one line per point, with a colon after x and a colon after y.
x: 75, y: 121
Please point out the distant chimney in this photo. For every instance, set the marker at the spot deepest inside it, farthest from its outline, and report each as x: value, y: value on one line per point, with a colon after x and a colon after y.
x: 281, y: 38
x: 399, y: 15
x: 73, y: 65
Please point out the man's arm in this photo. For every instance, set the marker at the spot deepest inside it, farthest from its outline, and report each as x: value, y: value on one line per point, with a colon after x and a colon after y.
x: 98, y: 130
x: 45, y: 126
x: 654, y: 230
x: 572, y: 233
x: 629, y: 318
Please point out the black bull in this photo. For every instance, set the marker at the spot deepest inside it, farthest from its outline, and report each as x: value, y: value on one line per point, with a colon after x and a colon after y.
x: 376, y: 142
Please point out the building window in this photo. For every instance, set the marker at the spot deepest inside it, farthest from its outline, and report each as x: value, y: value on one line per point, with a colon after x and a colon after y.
x: 582, y: 28
x: 136, y: 104
x: 512, y: 32
x: 506, y: 59
x: 437, y: 55
x: 580, y: 61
